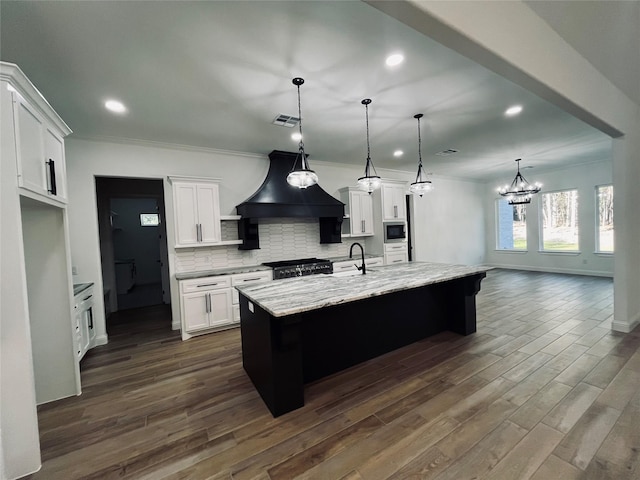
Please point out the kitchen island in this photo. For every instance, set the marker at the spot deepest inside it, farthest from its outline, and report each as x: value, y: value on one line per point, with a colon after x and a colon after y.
x: 297, y: 330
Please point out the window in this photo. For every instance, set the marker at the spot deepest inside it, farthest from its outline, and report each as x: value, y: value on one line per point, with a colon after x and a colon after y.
x: 149, y: 220
x: 604, y: 210
x: 560, y: 221
x: 512, y: 226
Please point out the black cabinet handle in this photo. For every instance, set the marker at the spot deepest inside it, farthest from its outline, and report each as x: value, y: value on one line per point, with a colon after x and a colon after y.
x: 91, y: 318
x: 52, y: 177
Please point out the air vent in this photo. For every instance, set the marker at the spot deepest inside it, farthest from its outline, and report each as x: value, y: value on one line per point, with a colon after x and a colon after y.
x: 286, y: 120
x: 447, y: 152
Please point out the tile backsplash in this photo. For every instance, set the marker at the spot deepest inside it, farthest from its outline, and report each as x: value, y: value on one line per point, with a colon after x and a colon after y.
x: 280, y: 239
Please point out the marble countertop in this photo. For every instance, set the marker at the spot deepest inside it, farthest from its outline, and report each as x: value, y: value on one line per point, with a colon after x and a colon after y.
x: 221, y: 271
x: 80, y: 287
x: 297, y: 295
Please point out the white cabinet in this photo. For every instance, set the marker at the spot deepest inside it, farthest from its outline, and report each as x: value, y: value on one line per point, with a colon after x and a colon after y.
x: 85, y: 332
x: 246, y: 279
x: 360, y: 206
x: 393, y: 202
x: 210, y: 303
x: 197, y: 213
x: 39, y: 153
x: 395, y: 253
x: 206, y: 303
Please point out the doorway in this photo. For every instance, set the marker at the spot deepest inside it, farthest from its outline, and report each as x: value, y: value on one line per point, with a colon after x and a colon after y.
x: 133, y: 243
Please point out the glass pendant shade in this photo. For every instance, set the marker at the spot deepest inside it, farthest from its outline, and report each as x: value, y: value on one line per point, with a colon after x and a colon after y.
x: 301, y: 176
x: 421, y: 185
x: 369, y: 182
x: 520, y: 192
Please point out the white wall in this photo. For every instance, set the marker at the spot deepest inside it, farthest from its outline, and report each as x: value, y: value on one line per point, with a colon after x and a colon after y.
x: 584, y: 178
x: 449, y: 223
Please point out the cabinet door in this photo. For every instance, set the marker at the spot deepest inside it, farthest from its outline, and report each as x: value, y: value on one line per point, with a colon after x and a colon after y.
x: 208, y: 213
x: 361, y: 213
x: 195, y: 311
x: 30, y: 147
x: 393, y: 202
x: 57, y: 172
x: 186, y: 213
x: 220, y: 312
x: 366, y: 209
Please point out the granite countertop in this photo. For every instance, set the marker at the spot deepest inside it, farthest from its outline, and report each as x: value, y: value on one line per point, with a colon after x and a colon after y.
x: 80, y: 287
x: 221, y: 271
x: 296, y: 295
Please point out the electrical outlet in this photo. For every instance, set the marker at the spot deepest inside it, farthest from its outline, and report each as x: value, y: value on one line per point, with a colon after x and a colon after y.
x: 74, y: 270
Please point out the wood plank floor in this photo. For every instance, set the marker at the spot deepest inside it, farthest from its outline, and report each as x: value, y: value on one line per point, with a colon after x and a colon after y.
x: 544, y: 390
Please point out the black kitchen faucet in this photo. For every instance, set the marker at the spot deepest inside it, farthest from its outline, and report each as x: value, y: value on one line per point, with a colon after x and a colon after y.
x: 363, y: 267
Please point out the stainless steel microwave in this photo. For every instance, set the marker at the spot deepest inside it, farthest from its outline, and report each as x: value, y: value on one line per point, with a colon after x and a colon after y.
x: 394, y: 232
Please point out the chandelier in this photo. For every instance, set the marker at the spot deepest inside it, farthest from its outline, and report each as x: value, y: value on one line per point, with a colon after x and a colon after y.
x: 421, y: 185
x: 520, y: 191
x: 303, y: 176
x: 369, y: 182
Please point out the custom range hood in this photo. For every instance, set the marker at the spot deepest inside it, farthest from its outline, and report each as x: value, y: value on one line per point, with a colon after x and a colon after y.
x: 276, y: 198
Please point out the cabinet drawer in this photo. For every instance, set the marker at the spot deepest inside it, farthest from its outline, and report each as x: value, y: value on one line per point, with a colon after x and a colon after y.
x: 372, y: 262
x: 205, y: 283
x: 396, y: 257
x: 248, y: 279
x: 344, y: 266
x: 395, y: 247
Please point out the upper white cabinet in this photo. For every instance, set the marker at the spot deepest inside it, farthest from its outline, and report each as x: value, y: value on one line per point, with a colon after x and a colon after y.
x: 197, y: 212
x: 38, y: 135
x: 360, y: 205
x: 393, y: 202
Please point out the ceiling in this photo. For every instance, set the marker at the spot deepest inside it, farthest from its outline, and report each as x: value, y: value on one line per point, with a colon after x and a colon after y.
x: 215, y: 74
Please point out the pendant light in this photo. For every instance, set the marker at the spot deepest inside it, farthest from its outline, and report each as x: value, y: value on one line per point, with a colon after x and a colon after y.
x: 421, y: 185
x: 303, y: 176
x: 369, y: 182
x: 520, y: 191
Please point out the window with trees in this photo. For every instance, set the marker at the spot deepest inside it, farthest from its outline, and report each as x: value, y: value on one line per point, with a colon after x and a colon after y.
x: 604, y: 209
x: 559, y: 220
x: 512, y: 226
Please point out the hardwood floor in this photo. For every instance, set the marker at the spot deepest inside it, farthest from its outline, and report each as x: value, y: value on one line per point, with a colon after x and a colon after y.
x: 544, y: 390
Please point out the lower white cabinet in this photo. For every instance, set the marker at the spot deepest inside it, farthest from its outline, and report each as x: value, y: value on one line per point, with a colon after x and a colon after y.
x: 206, y: 302
x: 395, y: 253
x: 350, y: 264
x: 212, y: 303
x: 85, y: 333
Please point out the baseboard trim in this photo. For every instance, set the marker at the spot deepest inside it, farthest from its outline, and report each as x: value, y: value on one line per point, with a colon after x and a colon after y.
x: 626, y: 327
x: 101, y: 340
x: 175, y: 325
x: 569, y: 271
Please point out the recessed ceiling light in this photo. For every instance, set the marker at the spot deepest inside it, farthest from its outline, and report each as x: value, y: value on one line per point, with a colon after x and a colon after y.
x: 394, y: 59
x: 115, y: 106
x: 514, y: 110
x: 296, y: 136
x: 398, y: 153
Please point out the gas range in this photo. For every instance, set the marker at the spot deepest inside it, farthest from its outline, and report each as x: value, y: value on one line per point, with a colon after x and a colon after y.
x: 300, y: 267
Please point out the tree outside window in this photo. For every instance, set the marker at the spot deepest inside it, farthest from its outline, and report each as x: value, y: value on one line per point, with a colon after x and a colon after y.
x: 512, y: 226
x: 560, y: 221
x: 604, y: 207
